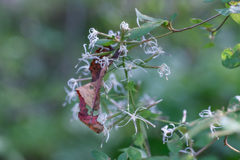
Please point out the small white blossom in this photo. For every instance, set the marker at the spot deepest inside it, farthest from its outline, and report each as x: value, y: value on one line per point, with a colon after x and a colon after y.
x: 235, y: 9
x: 85, y: 68
x: 134, y: 117
x: 105, y: 133
x: 71, y: 96
x: 72, y: 83
x: 92, y: 37
x: 104, y: 61
x: 86, y: 54
x: 167, y: 132
x: 184, y: 116
x: 191, y: 151
x: 209, y: 113
x: 124, y: 26
x: 164, y: 70
x: 102, y: 118
x: 151, y: 47
x: 117, y: 86
x: 123, y: 49
x: 206, y: 113
x: 75, y: 110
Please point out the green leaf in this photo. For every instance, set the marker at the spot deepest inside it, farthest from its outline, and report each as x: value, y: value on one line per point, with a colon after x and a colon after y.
x: 123, y: 156
x: 159, y: 158
x: 173, y: 17
x: 236, y: 17
x: 142, y: 17
x: 231, y: 57
x: 196, y: 21
x: 105, y: 42
x: 98, y: 155
x: 175, y: 144
x: 224, y: 12
x: 226, y: 1
x: 134, y: 154
x: 131, y: 86
x: 211, y: 44
x: 139, y: 139
x: 234, y: 104
x: 144, y: 29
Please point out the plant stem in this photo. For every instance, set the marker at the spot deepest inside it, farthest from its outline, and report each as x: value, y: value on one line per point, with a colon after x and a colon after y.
x: 193, y: 26
x: 231, y: 147
x: 204, y: 148
x: 145, y: 142
x: 221, y: 24
x: 165, y: 121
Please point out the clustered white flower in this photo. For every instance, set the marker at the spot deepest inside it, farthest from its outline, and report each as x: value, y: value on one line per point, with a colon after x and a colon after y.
x: 92, y: 37
x: 124, y: 26
x: 134, y: 117
x: 208, y: 113
x: 167, y: 132
x: 235, y: 8
x: 164, y: 70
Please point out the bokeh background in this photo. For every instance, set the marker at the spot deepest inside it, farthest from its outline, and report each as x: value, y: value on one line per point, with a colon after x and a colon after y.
x: 40, y: 43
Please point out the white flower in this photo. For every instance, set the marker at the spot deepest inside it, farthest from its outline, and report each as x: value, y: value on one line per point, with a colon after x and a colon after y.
x: 104, y: 61
x: 213, y: 129
x: 86, y: 54
x: 102, y: 118
x: 85, y: 68
x: 235, y: 9
x: 105, y: 133
x: 124, y: 26
x: 134, y: 117
x: 71, y: 96
x: 206, y: 113
x: 92, y: 37
x: 72, y: 83
x: 209, y: 113
x: 184, y: 116
x: 164, y: 70
x: 75, y: 110
x: 117, y: 86
x: 191, y: 151
x: 167, y: 132
x: 123, y: 49
x: 132, y: 65
x: 151, y: 47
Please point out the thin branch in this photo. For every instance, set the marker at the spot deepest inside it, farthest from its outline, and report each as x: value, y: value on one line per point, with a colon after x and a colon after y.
x: 204, y: 148
x: 180, y: 30
x: 231, y: 147
x: 221, y: 24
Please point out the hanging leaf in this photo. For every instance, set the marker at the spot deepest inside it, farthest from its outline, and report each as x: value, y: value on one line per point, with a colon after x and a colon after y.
x: 138, y: 139
x: 231, y: 57
x: 89, y: 94
x: 98, y: 155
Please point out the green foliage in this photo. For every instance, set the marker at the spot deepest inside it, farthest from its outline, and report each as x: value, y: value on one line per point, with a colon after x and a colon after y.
x: 105, y: 42
x: 231, y: 57
x: 175, y: 144
x: 138, y: 140
x: 144, y: 29
x: 142, y: 17
x: 224, y: 12
x: 173, y: 17
x: 131, y: 86
x: 196, y: 21
x: 123, y: 156
x: 99, y: 155
x: 134, y: 154
x: 159, y: 158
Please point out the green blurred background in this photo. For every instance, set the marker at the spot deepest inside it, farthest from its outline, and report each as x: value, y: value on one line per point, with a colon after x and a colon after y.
x: 40, y: 42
